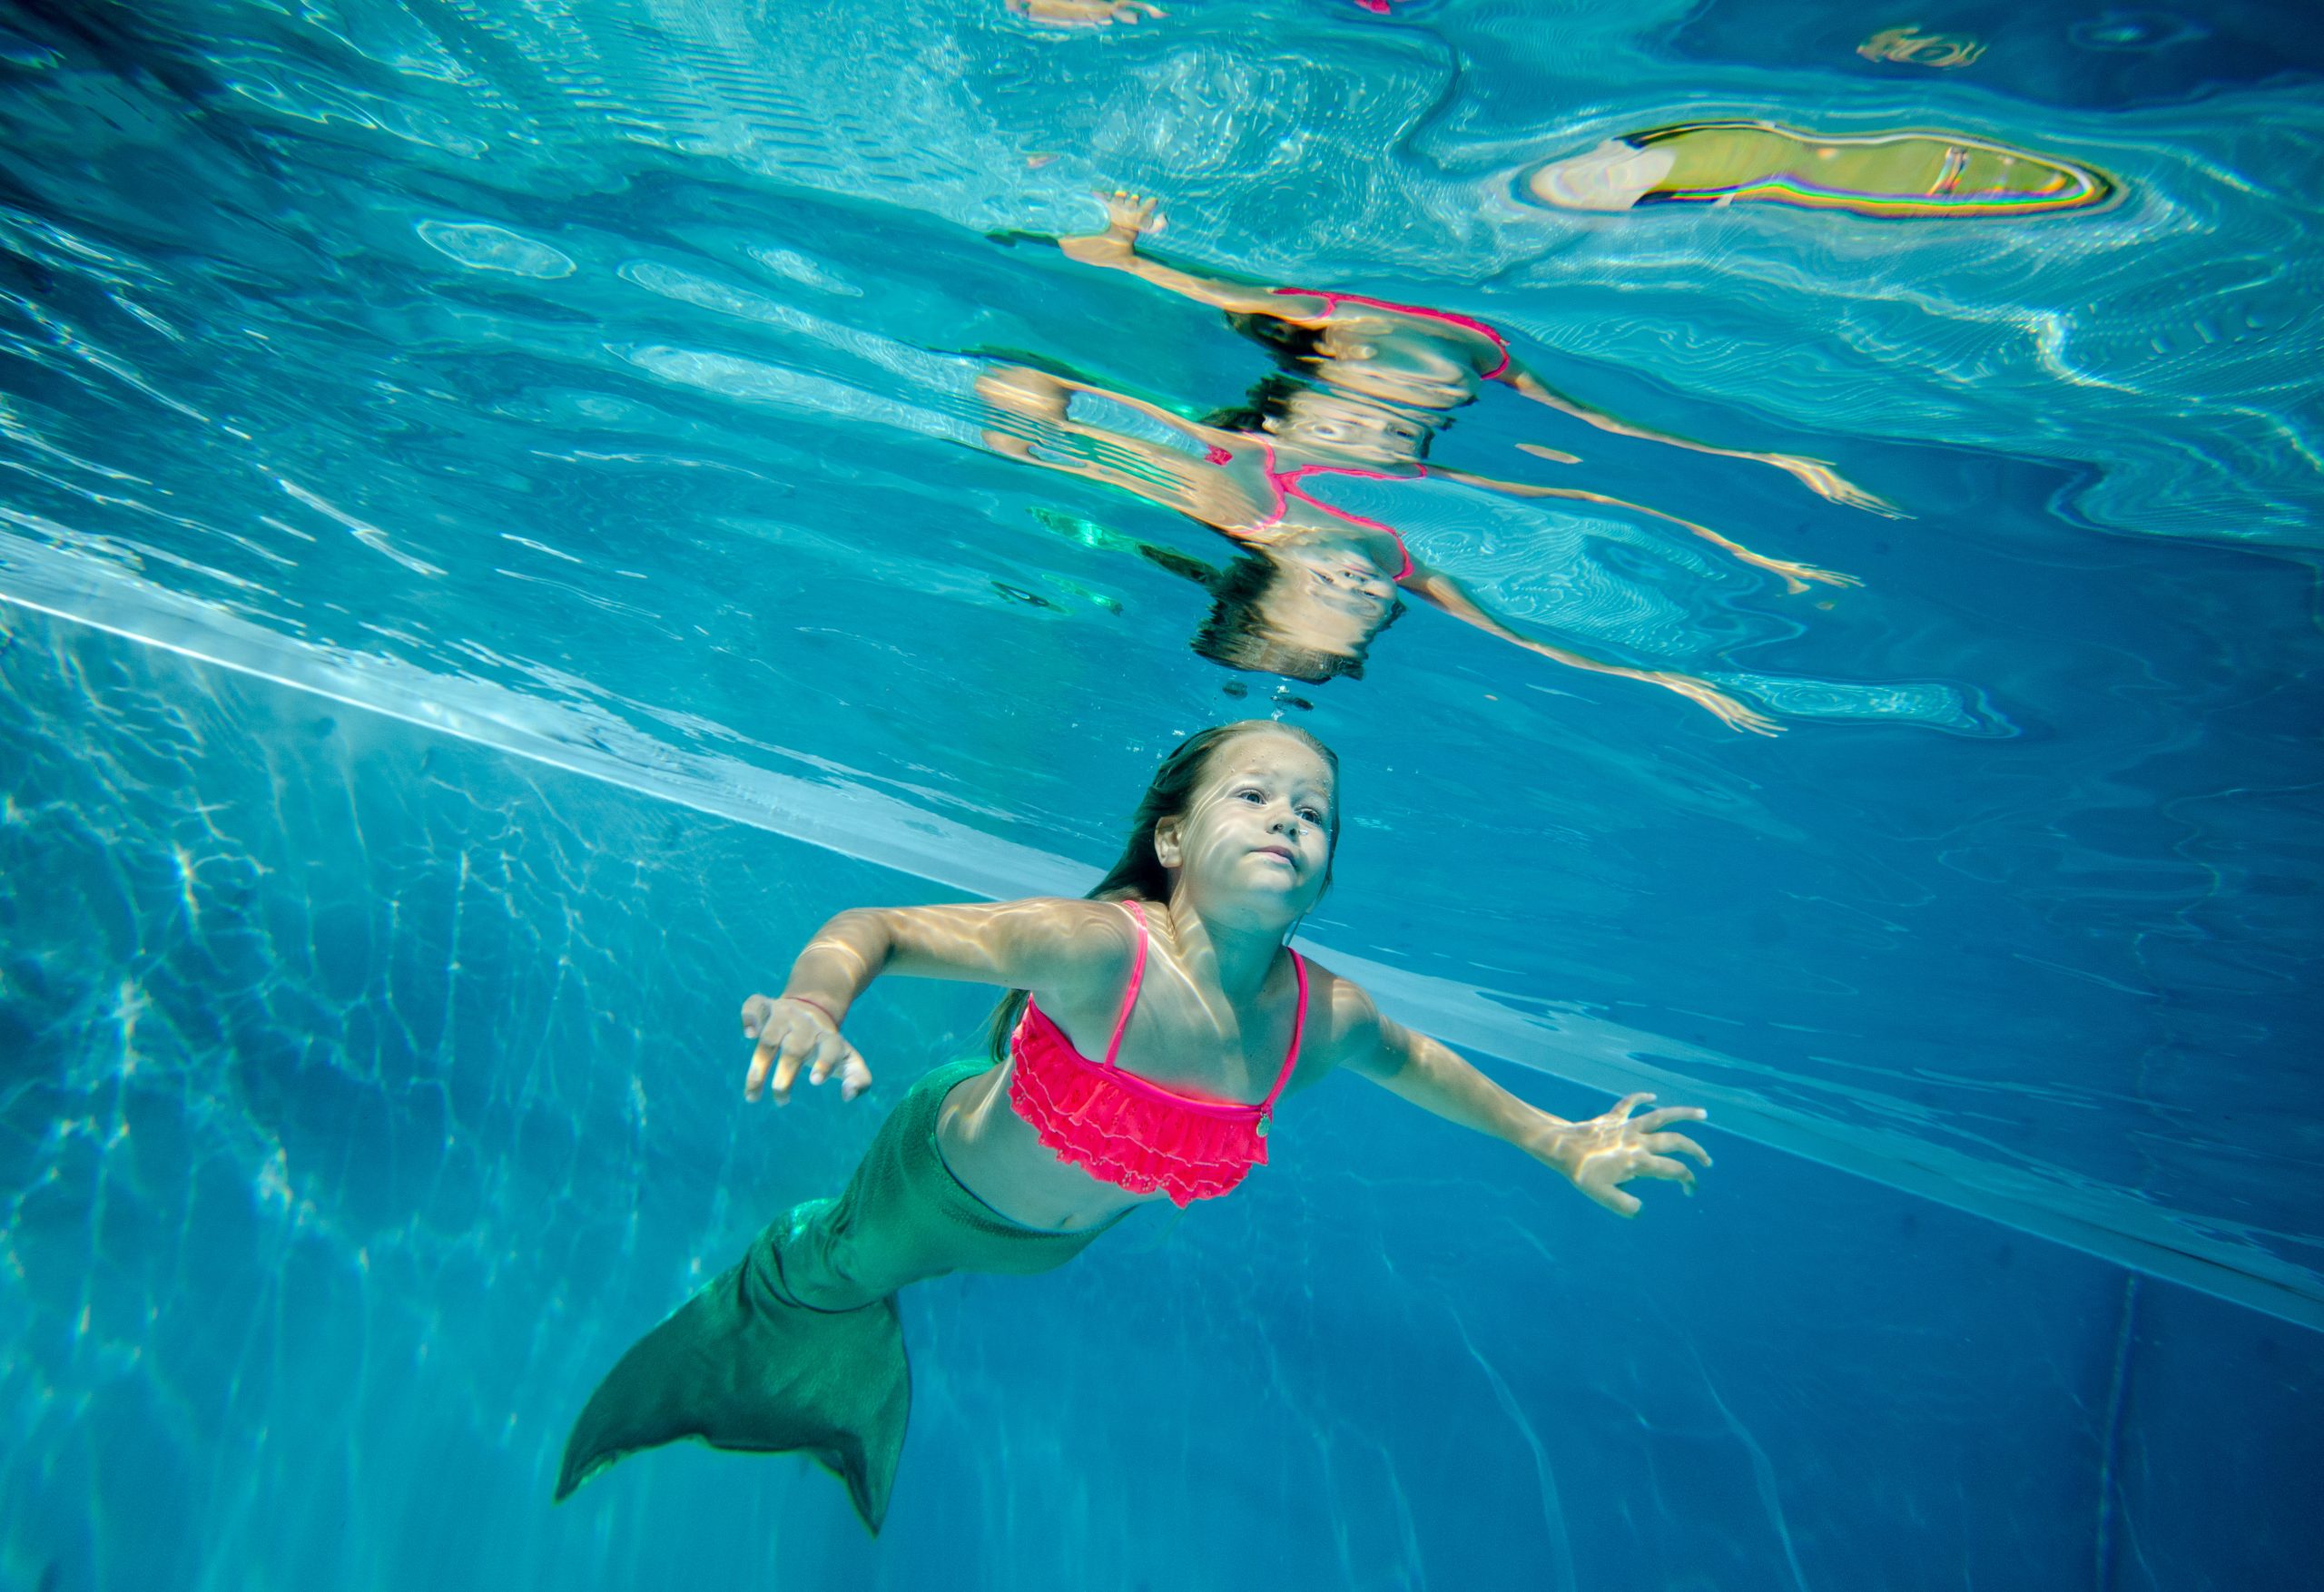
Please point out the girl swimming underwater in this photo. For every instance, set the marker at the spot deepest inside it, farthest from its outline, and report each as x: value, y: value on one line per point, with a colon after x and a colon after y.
x: 1174, y: 970
x: 1320, y: 581
x: 1416, y: 364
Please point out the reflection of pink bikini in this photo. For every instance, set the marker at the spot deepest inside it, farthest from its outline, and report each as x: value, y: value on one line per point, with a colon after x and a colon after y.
x: 1332, y: 302
x: 1285, y: 484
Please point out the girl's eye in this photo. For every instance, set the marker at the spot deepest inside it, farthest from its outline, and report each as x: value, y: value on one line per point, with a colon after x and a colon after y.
x: 1250, y: 796
x: 1309, y: 815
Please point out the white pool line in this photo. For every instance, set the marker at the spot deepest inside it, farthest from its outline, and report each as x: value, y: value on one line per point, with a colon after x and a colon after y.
x: 873, y: 826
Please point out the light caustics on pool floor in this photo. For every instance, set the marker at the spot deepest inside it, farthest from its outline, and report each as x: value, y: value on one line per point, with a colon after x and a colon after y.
x: 855, y: 820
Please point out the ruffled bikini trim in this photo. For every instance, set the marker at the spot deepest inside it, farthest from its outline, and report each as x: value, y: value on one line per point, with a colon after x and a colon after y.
x: 1138, y: 1143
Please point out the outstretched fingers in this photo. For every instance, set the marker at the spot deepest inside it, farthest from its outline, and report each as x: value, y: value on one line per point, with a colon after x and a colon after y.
x: 1736, y: 716
x: 1665, y: 1168
x: 1675, y: 1144
x: 754, y: 1011
x: 1709, y: 698
x: 764, y: 1056
x: 1615, y: 1146
x: 835, y: 1057
x: 1619, y: 1201
x: 1819, y: 477
x: 1127, y: 212
x: 787, y: 1042
x: 791, y: 1054
x: 1795, y: 576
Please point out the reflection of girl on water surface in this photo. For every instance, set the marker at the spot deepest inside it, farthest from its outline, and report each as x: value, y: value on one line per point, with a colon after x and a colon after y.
x: 1424, y: 364
x: 1323, y: 581
x: 1175, y: 973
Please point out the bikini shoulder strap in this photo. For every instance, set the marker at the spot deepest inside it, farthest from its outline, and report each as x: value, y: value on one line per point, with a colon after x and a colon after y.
x: 1298, y: 1026
x: 1138, y: 976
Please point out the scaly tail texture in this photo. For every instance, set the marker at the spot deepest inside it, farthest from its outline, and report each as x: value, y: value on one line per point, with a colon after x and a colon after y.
x: 741, y: 1366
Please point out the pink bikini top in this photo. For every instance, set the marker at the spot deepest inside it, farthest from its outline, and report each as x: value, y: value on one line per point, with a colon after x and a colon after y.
x: 1333, y: 301
x: 1119, y: 1127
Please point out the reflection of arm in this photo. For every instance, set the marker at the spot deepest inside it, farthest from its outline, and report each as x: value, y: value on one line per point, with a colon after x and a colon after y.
x: 1116, y: 248
x: 1434, y: 586
x: 1155, y: 473
x: 1531, y: 386
x: 1795, y: 576
x: 1816, y: 474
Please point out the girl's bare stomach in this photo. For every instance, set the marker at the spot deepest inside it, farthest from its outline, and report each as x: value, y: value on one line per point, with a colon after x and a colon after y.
x: 998, y: 1158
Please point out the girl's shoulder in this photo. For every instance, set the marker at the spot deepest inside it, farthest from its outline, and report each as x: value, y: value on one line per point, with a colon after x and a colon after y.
x: 1060, y: 930
x: 1341, y: 1013
x: 1086, y: 920
x: 1064, y: 948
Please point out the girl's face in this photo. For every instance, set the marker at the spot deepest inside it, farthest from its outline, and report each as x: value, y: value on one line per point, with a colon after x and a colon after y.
x: 1254, y: 843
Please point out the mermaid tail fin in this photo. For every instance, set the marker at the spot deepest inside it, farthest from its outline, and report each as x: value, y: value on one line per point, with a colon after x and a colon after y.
x: 800, y: 1348
x: 741, y: 1366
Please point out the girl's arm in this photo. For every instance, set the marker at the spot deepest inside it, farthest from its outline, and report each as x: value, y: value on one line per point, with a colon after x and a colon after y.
x: 1116, y: 248
x: 1597, y: 1156
x: 1816, y: 474
x: 1442, y: 590
x: 1796, y: 576
x: 1050, y: 947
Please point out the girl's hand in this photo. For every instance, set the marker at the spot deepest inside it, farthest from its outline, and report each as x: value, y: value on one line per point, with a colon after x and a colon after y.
x: 1605, y: 1152
x: 1126, y: 217
x: 792, y: 1034
x: 1128, y: 214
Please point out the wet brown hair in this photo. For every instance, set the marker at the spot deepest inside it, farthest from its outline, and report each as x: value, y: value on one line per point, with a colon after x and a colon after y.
x: 1269, y: 398
x: 1239, y: 634
x: 1137, y: 874
x: 1291, y: 343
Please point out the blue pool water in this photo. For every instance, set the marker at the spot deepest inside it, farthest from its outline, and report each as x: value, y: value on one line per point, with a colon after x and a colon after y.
x: 497, y: 547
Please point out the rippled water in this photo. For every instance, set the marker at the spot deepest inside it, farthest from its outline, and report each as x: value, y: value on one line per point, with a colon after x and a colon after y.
x: 595, y: 385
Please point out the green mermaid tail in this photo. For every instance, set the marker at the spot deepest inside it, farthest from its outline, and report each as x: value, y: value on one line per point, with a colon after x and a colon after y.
x: 799, y: 1346
x: 741, y: 1366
